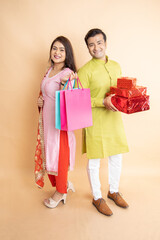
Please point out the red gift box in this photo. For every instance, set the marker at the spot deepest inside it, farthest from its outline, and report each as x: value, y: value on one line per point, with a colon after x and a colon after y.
x: 131, y: 105
x: 128, y: 97
x: 126, y: 82
x: 129, y: 93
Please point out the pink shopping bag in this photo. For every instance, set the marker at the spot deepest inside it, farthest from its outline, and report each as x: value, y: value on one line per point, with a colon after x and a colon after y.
x: 75, y: 108
x: 63, y: 115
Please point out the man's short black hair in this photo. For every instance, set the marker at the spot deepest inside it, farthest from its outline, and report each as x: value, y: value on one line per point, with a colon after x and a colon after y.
x: 93, y: 32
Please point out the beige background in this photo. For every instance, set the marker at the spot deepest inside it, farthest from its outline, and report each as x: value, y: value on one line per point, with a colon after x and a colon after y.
x: 27, y: 30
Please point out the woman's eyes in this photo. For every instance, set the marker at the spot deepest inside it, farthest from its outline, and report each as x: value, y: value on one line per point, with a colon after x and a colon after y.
x: 62, y: 50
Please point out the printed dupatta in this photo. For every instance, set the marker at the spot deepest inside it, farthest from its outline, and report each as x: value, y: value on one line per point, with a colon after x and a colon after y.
x: 40, y: 162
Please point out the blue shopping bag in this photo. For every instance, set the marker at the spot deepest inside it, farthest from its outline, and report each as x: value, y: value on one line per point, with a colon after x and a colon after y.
x: 57, y: 111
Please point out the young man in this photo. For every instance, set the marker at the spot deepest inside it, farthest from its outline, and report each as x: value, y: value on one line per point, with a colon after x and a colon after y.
x: 106, y: 138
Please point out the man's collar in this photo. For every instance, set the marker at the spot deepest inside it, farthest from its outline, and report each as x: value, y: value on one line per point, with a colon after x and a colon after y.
x: 100, y: 61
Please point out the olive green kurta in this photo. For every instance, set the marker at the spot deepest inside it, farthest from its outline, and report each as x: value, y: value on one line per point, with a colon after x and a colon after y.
x: 106, y: 137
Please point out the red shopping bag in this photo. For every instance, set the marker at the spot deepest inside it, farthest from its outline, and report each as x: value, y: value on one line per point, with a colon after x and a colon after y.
x: 75, y: 108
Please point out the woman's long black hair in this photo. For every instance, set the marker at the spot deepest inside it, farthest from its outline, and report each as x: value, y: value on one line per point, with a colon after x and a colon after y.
x: 69, y: 61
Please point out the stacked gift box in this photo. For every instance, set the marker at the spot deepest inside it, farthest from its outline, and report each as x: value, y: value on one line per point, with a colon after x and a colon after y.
x: 128, y: 97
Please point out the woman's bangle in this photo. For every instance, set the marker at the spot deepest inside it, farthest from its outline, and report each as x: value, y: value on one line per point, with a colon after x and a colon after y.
x: 62, y: 84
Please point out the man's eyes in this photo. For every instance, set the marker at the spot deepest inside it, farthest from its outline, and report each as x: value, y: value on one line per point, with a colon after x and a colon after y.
x: 98, y: 43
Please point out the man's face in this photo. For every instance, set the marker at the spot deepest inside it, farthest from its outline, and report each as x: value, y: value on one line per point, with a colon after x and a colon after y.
x: 97, y: 46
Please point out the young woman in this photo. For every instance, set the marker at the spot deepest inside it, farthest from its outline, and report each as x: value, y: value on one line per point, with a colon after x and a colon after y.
x: 57, y: 152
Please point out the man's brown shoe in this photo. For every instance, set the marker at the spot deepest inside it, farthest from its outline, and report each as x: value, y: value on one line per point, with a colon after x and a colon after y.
x: 116, y: 197
x: 102, y: 207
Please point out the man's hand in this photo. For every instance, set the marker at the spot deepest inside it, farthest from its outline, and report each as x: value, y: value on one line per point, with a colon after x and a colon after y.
x: 108, y: 103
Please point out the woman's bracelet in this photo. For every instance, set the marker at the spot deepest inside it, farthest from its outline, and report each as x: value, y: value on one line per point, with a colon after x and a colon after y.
x: 62, y: 84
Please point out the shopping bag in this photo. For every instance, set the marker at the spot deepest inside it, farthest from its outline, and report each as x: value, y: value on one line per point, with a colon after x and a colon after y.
x: 57, y: 111
x: 75, y: 108
x: 57, y: 107
x: 63, y: 117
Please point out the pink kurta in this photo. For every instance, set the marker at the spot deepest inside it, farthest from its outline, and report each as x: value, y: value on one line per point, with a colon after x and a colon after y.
x: 49, y: 87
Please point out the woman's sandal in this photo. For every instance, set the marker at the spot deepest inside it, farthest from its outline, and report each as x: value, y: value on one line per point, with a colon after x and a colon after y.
x: 50, y: 203
x: 70, y: 186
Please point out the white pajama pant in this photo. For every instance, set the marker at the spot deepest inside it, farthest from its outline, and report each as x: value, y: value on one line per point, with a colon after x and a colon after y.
x: 114, y: 167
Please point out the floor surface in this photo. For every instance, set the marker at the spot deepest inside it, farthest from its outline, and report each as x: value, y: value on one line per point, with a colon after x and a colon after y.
x: 24, y: 217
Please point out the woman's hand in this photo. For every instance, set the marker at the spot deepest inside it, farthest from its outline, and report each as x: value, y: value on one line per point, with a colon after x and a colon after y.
x: 40, y: 101
x: 72, y: 76
x: 108, y: 103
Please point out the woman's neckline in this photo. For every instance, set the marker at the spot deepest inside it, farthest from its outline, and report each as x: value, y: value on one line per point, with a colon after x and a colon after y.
x: 55, y: 74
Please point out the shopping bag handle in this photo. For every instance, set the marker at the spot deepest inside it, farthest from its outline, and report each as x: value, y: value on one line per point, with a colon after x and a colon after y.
x: 79, y: 82
x: 69, y: 83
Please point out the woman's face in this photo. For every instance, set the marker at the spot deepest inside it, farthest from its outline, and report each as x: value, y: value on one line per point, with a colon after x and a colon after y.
x: 58, y: 53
